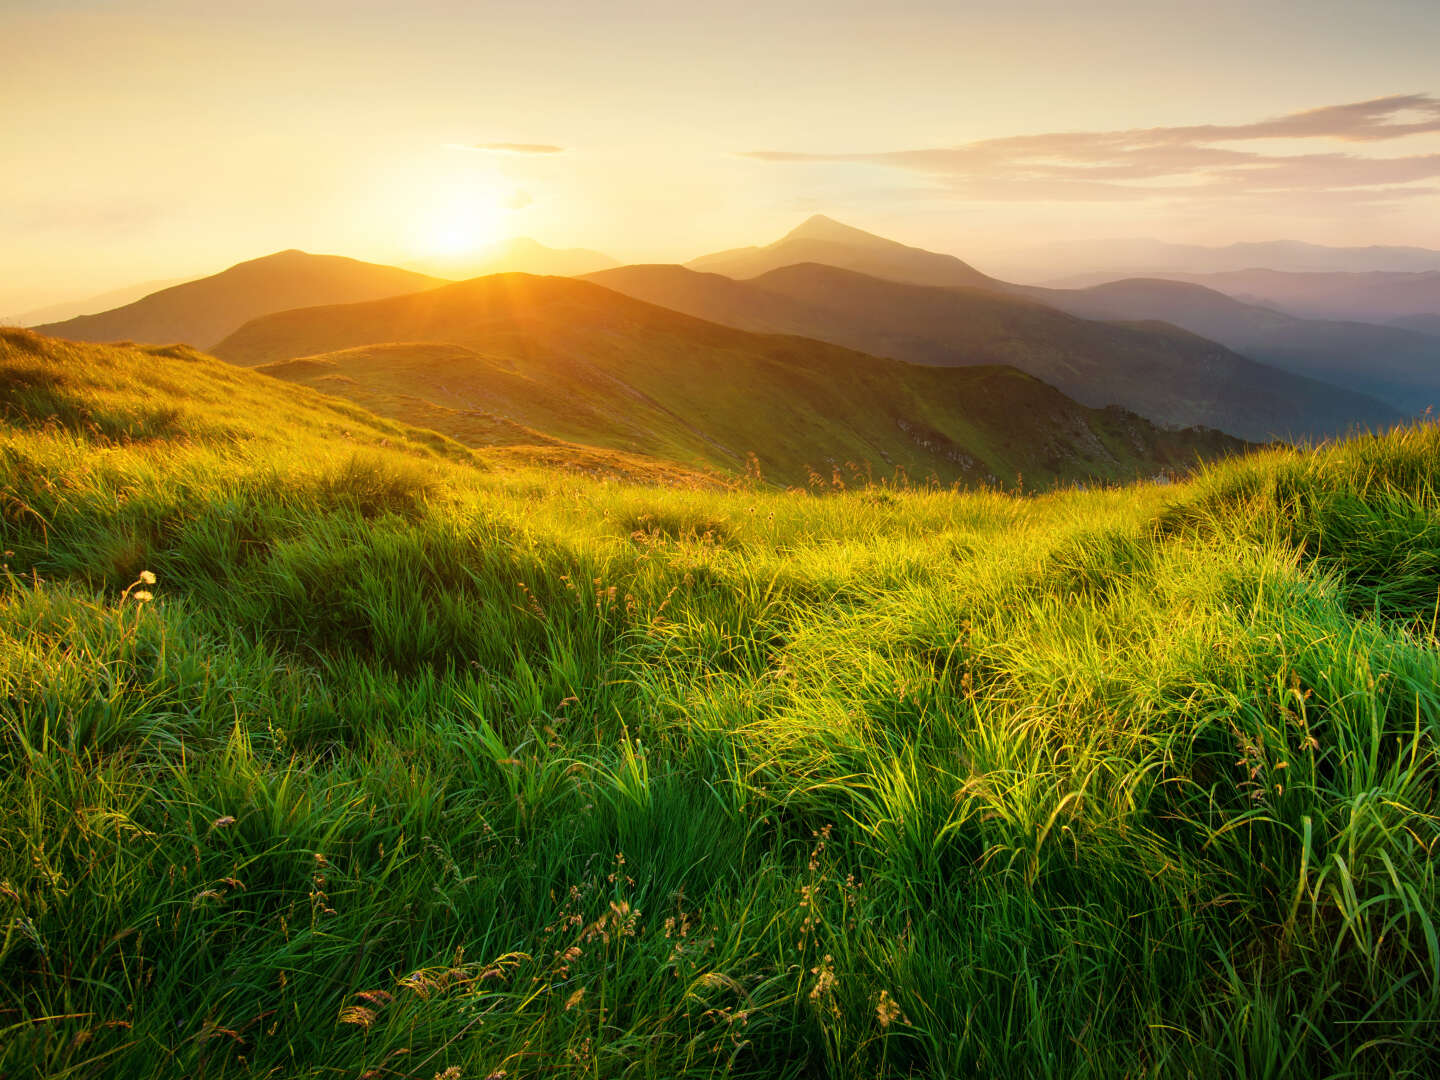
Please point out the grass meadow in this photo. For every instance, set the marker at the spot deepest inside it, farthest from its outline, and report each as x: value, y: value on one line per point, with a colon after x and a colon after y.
x: 329, y: 748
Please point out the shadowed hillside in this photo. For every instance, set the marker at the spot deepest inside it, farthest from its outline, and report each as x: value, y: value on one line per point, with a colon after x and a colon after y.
x: 202, y: 312
x: 1377, y: 363
x: 1399, y: 366
x: 585, y: 364
x: 1168, y: 376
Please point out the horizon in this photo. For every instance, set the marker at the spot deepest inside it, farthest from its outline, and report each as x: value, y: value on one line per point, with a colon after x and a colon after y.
x: 432, y: 136
x: 465, y: 266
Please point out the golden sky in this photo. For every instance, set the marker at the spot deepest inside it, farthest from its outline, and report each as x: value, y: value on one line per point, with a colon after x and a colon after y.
x: 174, y: 137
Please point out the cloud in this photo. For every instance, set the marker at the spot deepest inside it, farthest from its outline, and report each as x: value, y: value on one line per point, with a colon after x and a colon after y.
x: 517, y: 148
x: 518, y: 200
x: 1209, y: 160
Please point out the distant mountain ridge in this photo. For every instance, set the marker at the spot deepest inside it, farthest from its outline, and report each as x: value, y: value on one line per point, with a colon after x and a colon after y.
x: 202, y: 312
x: 1138, y: 257
x: 1373, y: 296
x: 1399, y: 366
x: 820, y: 239
x: 583, y: 364
x: 1424, y: 324
x: 1162, y: 373
x: 90, y: 305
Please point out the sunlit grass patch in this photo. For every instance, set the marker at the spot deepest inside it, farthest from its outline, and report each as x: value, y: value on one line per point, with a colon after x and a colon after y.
x: 407, y: 766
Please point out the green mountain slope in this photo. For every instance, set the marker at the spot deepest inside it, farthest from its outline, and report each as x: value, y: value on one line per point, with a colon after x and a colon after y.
x: 585, y: 364
x: 202, y: 312
x: 122, y: 395
x: 156, y: 396
x: 1164, y: 374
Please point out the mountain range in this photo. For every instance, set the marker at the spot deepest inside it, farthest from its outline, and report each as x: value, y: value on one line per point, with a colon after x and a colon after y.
x: 823, y: 240
x: 1399, y: 366
x: 1170, y: 376
x: 202, y: 312
x: 1396, y: 369
x: 1057, y: 264
x: 1374, y: 296
x: 490, y: 359
x: 541, y: 359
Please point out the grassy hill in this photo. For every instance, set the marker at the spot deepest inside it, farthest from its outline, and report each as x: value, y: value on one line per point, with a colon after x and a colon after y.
x: 1165, y: 375
x: 587, y: 365
x: 327, y: 750
x: 1399, y: 366
x: 823, y: 240
x: 202, y: 312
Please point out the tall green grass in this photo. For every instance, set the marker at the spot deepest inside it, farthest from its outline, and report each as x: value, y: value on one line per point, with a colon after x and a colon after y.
x: 409, y: 768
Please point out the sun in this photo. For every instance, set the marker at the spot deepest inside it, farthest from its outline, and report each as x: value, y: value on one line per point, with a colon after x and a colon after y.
x: 461, y: 224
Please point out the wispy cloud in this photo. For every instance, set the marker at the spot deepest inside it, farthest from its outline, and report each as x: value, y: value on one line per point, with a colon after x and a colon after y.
x: 1209, y: 160
x: 517, y: 148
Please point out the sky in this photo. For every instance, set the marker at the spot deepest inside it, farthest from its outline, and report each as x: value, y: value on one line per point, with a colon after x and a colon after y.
x: 151, y: 139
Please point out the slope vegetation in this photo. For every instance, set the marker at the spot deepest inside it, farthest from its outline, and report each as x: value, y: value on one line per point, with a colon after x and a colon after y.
x: 326, y: 753
x: 585, y: 364
x: 1170, y: 377
x: 202, y: 312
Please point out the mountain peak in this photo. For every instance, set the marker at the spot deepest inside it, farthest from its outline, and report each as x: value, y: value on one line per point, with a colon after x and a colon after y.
x: 820, y: 227
x: 276, y: 259
x: 202, y: 311
x: 821, y: 239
